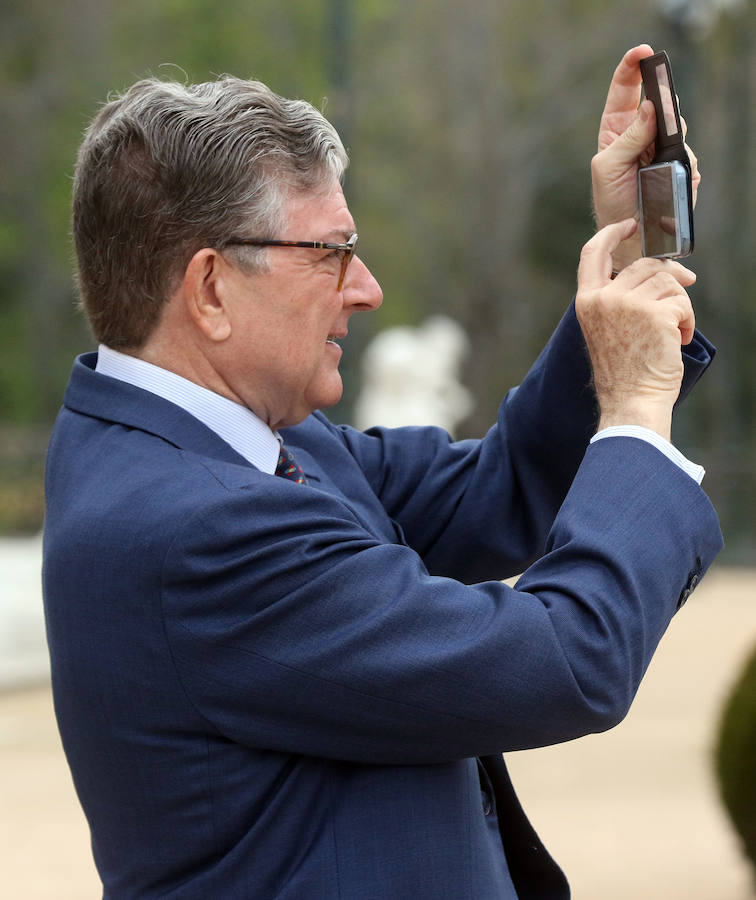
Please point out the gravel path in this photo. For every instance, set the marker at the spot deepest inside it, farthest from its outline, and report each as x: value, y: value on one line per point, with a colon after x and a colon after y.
x: 629, y: 814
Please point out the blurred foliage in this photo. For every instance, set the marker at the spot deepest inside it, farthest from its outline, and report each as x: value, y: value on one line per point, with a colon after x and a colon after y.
x: 736, y: 758
x: 471, y: 132
x: 21, y: 479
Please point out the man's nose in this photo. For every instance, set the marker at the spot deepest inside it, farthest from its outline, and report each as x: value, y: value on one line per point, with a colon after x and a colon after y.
x: 361, y: 290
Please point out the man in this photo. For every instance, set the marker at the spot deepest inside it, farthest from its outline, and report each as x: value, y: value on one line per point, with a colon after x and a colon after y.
x: 301, y: 686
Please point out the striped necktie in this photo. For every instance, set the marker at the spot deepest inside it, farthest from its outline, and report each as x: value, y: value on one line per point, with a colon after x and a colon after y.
x: 287, y: 467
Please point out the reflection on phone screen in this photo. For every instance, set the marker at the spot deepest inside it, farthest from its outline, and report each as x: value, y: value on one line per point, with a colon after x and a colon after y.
x: 658, y: 192
x: 668, y: 106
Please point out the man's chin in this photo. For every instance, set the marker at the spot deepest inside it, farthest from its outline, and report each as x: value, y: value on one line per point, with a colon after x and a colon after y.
x: 328, y: 395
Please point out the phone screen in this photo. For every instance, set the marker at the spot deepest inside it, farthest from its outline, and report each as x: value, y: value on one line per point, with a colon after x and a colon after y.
x: 665, y: 221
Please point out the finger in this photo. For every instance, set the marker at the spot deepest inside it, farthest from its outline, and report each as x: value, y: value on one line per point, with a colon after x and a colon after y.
x: 645, y: 268
x: 695, y: 173
x: 682, y: 309
x: 634, y: 141
x: 664, y: 288
x: 691, y: 155
x: 625, y: 87
x: 595, y: 267
x: 688, y: 328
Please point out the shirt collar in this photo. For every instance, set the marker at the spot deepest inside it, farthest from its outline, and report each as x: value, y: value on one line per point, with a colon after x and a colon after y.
x: 237, y: 425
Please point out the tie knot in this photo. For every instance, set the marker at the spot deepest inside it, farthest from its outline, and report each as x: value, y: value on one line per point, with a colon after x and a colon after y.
x: 287, y: 467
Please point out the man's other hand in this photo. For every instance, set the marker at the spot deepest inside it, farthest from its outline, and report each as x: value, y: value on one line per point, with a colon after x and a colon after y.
x: 625, y: 143
x: 634, y: 326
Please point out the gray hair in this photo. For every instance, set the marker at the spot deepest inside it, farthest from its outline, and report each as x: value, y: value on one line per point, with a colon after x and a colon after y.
x: 167, y: 169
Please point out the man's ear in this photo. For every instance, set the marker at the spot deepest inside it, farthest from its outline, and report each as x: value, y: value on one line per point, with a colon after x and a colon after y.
x: 203, y: 291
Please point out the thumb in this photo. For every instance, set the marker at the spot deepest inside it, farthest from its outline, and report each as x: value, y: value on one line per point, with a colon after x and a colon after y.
x: 595, y: 268
x: 635, y: 138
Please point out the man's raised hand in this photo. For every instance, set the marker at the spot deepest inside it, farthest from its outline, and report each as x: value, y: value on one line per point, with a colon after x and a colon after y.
x: 634, y: 326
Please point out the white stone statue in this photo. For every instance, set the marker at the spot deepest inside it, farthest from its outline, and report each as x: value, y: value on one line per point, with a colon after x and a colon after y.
x: 23, y: 647
x: 411, y: 377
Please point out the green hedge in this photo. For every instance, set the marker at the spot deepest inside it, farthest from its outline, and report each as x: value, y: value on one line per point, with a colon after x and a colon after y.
x: 22, y: 504
x: 736, y: 758
x: 22, y: 464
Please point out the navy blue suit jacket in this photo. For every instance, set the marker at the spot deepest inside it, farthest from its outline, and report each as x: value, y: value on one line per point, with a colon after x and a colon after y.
x: 268, y: 690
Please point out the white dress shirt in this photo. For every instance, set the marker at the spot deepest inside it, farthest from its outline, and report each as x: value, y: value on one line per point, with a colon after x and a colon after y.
x: 695, y: 471
x: 237, y: 425
x: 251, y: 437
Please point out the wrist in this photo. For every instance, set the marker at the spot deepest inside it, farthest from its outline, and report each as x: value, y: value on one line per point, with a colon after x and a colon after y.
x: 656, y: 416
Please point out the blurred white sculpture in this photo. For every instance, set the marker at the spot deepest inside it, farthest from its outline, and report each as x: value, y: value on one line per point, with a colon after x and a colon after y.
x: 698, y: 15
x: 23, y: 646
x: 411, y: 377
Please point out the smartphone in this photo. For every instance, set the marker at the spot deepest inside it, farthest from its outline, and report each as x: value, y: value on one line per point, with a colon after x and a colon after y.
x: 665, y: 188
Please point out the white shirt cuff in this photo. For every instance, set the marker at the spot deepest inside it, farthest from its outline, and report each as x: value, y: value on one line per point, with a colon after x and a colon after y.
x: 695, y: 471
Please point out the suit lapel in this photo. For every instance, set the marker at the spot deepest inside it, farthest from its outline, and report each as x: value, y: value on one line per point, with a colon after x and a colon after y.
x: 112, y: 400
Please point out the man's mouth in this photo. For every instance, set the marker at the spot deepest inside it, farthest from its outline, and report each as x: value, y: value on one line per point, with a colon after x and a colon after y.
x: 333, y: 339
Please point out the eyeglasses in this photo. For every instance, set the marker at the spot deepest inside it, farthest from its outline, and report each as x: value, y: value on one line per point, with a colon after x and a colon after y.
x: 347, y: 249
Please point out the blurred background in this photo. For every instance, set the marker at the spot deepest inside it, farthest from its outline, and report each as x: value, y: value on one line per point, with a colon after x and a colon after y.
x: 471, y: 128
x: 470, y: 135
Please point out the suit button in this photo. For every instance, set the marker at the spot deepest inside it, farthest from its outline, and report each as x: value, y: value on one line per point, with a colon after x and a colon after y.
x: 689, y: 588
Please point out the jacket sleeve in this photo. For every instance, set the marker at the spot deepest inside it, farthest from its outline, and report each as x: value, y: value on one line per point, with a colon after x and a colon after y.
x: 477, y: 510
x: 294, y: 629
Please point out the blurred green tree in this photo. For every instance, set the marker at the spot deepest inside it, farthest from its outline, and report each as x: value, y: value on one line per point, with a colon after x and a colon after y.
x: 471, y: 133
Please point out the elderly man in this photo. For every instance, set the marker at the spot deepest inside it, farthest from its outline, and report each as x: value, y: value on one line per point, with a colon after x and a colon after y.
x: 284, y: 663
